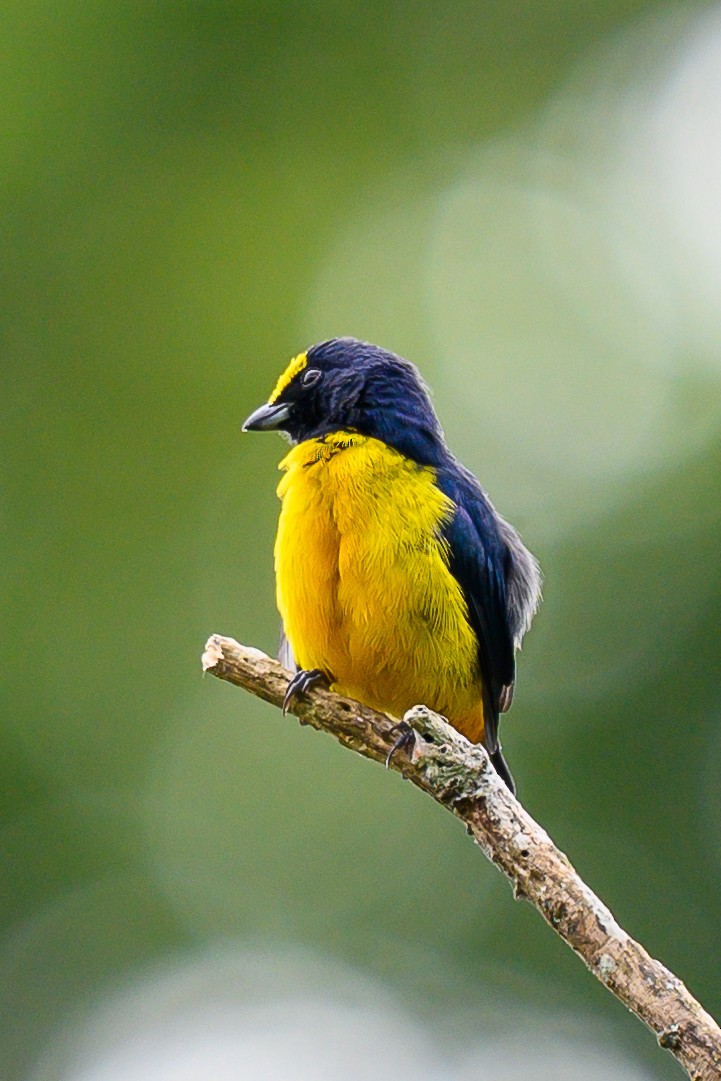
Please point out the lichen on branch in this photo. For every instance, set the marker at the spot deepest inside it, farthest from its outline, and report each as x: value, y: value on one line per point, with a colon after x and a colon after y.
x: 459, y: 776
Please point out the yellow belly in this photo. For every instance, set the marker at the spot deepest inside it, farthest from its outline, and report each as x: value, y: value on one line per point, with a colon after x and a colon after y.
x: 363, y: 584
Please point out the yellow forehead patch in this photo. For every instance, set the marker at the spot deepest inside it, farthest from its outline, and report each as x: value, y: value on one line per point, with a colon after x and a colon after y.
x: 296, y: 365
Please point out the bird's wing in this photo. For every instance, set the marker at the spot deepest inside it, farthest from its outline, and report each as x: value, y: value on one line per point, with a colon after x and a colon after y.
x: 477, y: 560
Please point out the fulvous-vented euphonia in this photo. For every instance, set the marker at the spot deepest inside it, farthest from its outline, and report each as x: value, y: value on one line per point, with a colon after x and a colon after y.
x: 397, y: 580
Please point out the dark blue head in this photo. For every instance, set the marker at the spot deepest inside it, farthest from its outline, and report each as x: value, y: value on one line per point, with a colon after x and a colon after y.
x: 345, y: 384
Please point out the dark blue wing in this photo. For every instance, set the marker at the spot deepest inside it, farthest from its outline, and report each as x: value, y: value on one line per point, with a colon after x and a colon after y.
x: 478, y: 560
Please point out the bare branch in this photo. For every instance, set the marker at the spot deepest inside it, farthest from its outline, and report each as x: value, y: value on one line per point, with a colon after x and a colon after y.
x: 459, y: 776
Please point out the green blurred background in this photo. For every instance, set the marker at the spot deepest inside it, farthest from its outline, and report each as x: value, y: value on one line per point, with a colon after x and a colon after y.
x: 521, y: 198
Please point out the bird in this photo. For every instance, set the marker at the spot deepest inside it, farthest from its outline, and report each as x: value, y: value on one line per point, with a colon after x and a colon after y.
x: 397, y: 581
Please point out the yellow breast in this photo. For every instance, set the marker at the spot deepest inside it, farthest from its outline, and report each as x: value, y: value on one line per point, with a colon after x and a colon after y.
x: 363, y: 584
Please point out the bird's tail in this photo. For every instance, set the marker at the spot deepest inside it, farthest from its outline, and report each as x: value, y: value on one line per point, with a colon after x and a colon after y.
x: 502, y: 769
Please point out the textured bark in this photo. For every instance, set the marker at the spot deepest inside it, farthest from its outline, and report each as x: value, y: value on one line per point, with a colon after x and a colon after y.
x: 459, y: 775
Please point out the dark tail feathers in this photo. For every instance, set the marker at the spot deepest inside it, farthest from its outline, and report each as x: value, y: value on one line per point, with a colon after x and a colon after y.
x: 502, y: 769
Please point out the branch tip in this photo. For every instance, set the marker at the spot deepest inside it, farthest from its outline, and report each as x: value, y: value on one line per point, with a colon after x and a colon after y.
x: 459, y: 776
x: 213, y: 653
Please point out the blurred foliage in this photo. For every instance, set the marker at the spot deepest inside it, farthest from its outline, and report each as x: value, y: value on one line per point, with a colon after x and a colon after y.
x: 191, y: 193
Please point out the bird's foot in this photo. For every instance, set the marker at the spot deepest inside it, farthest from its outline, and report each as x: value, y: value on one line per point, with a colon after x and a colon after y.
x: 405, y: 740
x: 303, y: 681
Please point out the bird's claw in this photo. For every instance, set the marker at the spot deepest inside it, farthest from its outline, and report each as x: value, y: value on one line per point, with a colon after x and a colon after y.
x: 405, y: 740
x: 301, y: 682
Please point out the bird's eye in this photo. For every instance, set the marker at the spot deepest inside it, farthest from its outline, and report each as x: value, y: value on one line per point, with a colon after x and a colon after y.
x: 310, y: 377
